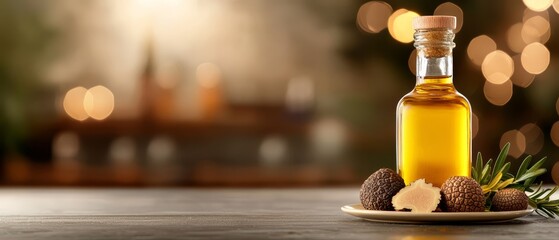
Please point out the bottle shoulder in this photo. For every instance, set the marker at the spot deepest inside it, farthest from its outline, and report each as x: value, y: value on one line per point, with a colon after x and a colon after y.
x: 416, y: 97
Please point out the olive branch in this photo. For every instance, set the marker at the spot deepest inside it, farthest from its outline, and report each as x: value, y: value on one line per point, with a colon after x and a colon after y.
x: 493, y: 177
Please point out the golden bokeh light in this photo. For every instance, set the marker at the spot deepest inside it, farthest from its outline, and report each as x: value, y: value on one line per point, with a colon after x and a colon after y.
x: 373, y: 16
x: 99, y: 102
x: 393, y: 16
x: 412, y: 61
x: 208, y: 75
x: 556, y: 6
x: 517, y: 142
x: 514, y: 42
x: 451, y: 9
x: 534, y: 138
x: 400, y: 25
x: 538, y: 5
x: 479, y: 47
x: 555, y: 133
x: 65, y: 145
x: 557, y: 106
x: 535, y: 58
x: 555, y: 171
x: 498, y: 94
x: 529, y: 14
x: 521, y: 77
x: 497, y: 67
x: 535, y: 29
x: 73, y: 103
x: 475, y: 125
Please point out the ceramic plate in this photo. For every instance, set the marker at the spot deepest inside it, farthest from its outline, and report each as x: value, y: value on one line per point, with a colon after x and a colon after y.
x: 357, y: 210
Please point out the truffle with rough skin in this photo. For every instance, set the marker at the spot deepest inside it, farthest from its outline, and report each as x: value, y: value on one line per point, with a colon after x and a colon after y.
x: 509, y: 199
x: 419, y: 197
x: 377, y: 191
x: 462, y: 194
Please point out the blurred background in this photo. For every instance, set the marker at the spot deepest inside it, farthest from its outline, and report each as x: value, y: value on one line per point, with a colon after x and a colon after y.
x: 255, y: 93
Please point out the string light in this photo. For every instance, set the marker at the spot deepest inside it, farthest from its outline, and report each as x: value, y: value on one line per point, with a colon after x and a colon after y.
x: 534, y: 138
x: 497, y: 67
x: 535, y: 29
x: 517, y: 142
x: 556, y: 6
x: 498, y: 94
x: 98, y: 102
x: 521, y: 77
x: 400, y: 25
x: 538, y: 5
x: 555, y: 133
x: 535, y: 58
x: 515, y: 42
x: 73, y: 103
x: 479, y: 47
x: 451, y: 9
x: 373, y: 16
x: 475, y: 125
x: 412, y: 64
x: 555, y: 170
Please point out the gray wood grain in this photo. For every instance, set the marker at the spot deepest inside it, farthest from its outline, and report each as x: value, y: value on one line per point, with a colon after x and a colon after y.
x: 222, y: 213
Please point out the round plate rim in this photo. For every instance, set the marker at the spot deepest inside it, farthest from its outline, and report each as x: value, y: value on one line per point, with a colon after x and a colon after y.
x: 357, y: 210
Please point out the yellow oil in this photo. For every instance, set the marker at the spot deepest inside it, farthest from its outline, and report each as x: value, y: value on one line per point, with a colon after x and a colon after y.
x: 433, y: 132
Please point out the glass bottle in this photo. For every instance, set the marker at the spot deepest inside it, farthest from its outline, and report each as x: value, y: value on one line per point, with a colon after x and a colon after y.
x: 434, y: 120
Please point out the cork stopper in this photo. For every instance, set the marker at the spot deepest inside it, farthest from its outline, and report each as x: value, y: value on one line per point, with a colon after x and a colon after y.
x: 430, y: 22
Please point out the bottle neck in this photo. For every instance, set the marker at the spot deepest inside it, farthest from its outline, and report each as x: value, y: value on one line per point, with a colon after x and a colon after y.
x: 434, y: 55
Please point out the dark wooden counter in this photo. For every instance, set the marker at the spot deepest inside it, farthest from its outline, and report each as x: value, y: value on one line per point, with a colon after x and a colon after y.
x: 222, y: 214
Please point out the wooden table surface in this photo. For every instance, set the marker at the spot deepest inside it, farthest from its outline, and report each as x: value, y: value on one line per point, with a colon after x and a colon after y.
x: 222, y: 214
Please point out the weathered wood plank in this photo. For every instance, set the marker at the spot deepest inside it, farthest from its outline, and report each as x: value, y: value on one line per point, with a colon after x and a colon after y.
x: 221, y: 213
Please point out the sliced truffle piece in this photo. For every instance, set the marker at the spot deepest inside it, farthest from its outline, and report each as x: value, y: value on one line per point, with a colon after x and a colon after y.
x: 462, y: 194
x: 509, y: 199
x: 377, y: 191
x: 419, y: 197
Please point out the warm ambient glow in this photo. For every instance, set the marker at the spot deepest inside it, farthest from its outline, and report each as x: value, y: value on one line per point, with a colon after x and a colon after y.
x: 498, y: 94
x: 475, y: 125
x: 556, y: 8
x: 555, y: 133
x: 535, y: 58
x: 328, y: 137
x: 412, y: 61
x: 534, y: 138
x: 99, y: 102
x: 479, y: 47
x: 122, y: 151
x: 400, y: 25
x: 515, y: 42
x: 521, y: 77
x: 538, y: 5
x: 555, y: 169
x: 161, y: 150
x: 517, y: 142
x: 300, y: 95
x: 208, y: 75
x: 273, y: 150
x: 451, y: 9
x: 73, y: 103
x: 535, y: 29
x: 65, y: 146
x: 497, y: 67
x: 373, y: 16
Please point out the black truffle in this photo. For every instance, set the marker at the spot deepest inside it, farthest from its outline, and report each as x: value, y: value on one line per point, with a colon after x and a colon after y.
x: 509, y: 199
x: 462, y: 194
x: 377, y: 191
